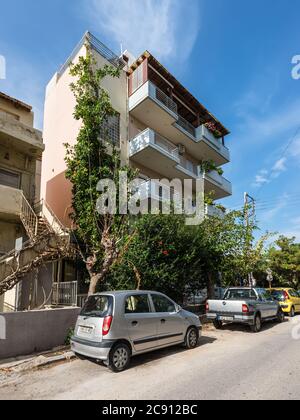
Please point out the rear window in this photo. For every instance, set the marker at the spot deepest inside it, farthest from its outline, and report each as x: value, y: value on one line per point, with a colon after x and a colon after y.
x: 98, y: 306
x: 240, y: 294
x: 278, y: 295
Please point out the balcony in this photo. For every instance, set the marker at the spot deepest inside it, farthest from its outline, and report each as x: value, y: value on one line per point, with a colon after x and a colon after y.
x: 24, y: 138
x: 151, y: 150
x: 157, y: 110
x: 218, y: 184
x: 10, y: 203
x: 153, y: 107
x: 213, y: 211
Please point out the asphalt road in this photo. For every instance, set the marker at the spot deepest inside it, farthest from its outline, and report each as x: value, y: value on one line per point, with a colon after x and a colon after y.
x: 228, y: 364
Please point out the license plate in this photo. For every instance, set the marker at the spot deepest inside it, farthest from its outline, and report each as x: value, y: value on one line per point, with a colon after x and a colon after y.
x: 227, y: 318
x: 86, y: 330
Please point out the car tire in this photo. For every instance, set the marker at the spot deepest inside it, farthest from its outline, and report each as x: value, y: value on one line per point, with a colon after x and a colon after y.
x: 218, y: 324
x: 280, y: 316
x: 191, y: 338
x: 256, y: 328
x: 292, y: 312
x: 119, y: 357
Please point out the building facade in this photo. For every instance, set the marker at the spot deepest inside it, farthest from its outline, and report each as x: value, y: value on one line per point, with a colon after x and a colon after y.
x: 21, y: 148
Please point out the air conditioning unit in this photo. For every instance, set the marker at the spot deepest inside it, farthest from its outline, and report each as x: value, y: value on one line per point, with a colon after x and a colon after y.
x: 181, y: 149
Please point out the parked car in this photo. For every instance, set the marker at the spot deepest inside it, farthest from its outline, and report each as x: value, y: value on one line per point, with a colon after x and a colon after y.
x: 288, y: 299
x: 114, y: 326
x: 244, y: 305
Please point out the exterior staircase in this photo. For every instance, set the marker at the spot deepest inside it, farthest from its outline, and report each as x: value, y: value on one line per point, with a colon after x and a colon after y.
x: 48, y: 241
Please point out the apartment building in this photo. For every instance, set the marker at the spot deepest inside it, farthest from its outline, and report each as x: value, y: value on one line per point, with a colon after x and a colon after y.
x: 21, y: 148
x: 160, y: 128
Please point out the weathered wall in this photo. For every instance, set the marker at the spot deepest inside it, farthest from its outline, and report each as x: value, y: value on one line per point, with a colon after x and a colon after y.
x: 24, y: 116
x: 36, y: 331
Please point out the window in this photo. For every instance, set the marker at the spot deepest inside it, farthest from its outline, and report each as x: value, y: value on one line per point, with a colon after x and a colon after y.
x: 98, y: 306
x: 162, y: 304
x: 9, y: 179
x: 240, y: 294
x: 110, y: 130
x: 137, y: 304
x: 293, y: 293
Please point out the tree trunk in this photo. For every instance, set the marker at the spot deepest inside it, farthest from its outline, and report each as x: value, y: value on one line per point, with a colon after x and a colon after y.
x: 210, y: 286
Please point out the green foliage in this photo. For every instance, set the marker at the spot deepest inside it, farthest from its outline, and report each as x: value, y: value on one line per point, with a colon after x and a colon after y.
x: 91, y: 159
x: 284, y: 260
x: 173, y: 258
x: 209, y: 166
x: 69, y: 336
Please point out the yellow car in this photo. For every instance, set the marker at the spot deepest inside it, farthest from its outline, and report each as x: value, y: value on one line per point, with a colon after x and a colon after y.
x: 288, y: 299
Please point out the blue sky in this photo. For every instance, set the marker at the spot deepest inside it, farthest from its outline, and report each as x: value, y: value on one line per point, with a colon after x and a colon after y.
x: 235, y: 56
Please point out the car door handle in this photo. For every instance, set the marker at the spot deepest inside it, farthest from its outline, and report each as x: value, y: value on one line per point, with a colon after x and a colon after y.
x: 134, y: 323
x: 163, y: 321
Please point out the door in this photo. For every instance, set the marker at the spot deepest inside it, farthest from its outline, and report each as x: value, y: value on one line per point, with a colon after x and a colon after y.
x: 295, y: 299
x: 171, y: 326
x: 141, y: 322
x: 268, y: 306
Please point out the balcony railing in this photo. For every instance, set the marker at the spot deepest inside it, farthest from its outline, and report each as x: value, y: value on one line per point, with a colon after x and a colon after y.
x: 150, y: 137
x: 189, y: 166
x: 219, y: 181
x: 163, y: 98
x: 187, y: 126
x: 64, y: 294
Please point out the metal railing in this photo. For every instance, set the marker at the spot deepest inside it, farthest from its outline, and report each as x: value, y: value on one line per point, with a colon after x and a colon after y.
x: 162, y: 97
x: 64, y: 294
x: 166, y: 145
x: 189, y: 165
x: 43, y: 208
x: 81, y: 299
x: 29, y: 218
x: 187, y: 126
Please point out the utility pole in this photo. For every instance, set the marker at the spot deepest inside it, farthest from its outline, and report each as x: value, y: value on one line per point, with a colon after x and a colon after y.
x: 249, y: 213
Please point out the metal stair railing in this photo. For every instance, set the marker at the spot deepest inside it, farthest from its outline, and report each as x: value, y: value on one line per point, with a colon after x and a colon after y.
x: 29, y: 218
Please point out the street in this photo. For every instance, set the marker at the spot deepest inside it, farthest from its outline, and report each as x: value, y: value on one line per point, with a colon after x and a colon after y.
x: 228, y: 364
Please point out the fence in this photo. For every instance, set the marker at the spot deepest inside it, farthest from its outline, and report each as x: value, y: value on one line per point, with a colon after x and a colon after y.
x: 65, y: 294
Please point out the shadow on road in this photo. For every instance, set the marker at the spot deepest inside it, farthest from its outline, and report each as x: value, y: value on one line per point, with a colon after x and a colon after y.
x: 246, y: 329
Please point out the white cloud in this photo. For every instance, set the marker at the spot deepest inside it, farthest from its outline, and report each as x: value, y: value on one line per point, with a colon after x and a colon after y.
x: 167, y: 28
x: 261, y: 178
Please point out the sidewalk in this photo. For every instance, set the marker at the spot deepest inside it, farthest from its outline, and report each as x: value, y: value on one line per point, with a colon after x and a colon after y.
x: 25, y: 363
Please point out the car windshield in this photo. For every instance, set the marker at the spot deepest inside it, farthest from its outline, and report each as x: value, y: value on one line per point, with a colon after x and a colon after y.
x: 97, y: 306
x: 278, y: 295
x: 240, y: 294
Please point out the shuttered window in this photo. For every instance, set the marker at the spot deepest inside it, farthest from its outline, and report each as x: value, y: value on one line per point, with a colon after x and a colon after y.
x: 9, y: 179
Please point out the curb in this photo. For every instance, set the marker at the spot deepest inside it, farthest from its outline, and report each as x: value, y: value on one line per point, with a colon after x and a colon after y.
x: 35, y: 363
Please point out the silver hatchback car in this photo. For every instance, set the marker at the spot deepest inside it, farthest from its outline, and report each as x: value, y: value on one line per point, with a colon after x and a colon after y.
x: 114, y: 326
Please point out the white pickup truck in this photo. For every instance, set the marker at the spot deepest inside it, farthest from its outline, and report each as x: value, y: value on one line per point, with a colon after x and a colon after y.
x: 244, y: 305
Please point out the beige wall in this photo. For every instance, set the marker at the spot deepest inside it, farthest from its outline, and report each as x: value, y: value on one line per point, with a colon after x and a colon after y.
x: 61, y: 127
x: 24, y: 116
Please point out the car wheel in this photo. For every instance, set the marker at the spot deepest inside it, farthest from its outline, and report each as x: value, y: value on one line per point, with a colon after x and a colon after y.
x: 192, y: 338
x: 256, y: 328
x: 218, y: 324
x: 280, y: 316
x: 292, y: 313
x: 119, y: 357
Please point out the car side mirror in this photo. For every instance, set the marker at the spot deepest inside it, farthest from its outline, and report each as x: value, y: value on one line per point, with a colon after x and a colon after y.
x: 178, y: 309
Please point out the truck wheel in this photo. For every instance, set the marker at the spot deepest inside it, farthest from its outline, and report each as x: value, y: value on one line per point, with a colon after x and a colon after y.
x: 192, y: 338
x: 256, y: 328
x: 292, y: 312
x: 218, y: 324
x: 119, y: 357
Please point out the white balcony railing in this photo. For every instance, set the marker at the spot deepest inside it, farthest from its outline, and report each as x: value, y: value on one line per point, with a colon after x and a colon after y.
x: 150, y: 138
x: 156, y: 191
x: 214, y: 211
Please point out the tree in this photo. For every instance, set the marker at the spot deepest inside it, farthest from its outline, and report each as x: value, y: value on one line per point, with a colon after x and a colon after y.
x: 91, y: 159
x: 284, y: 261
